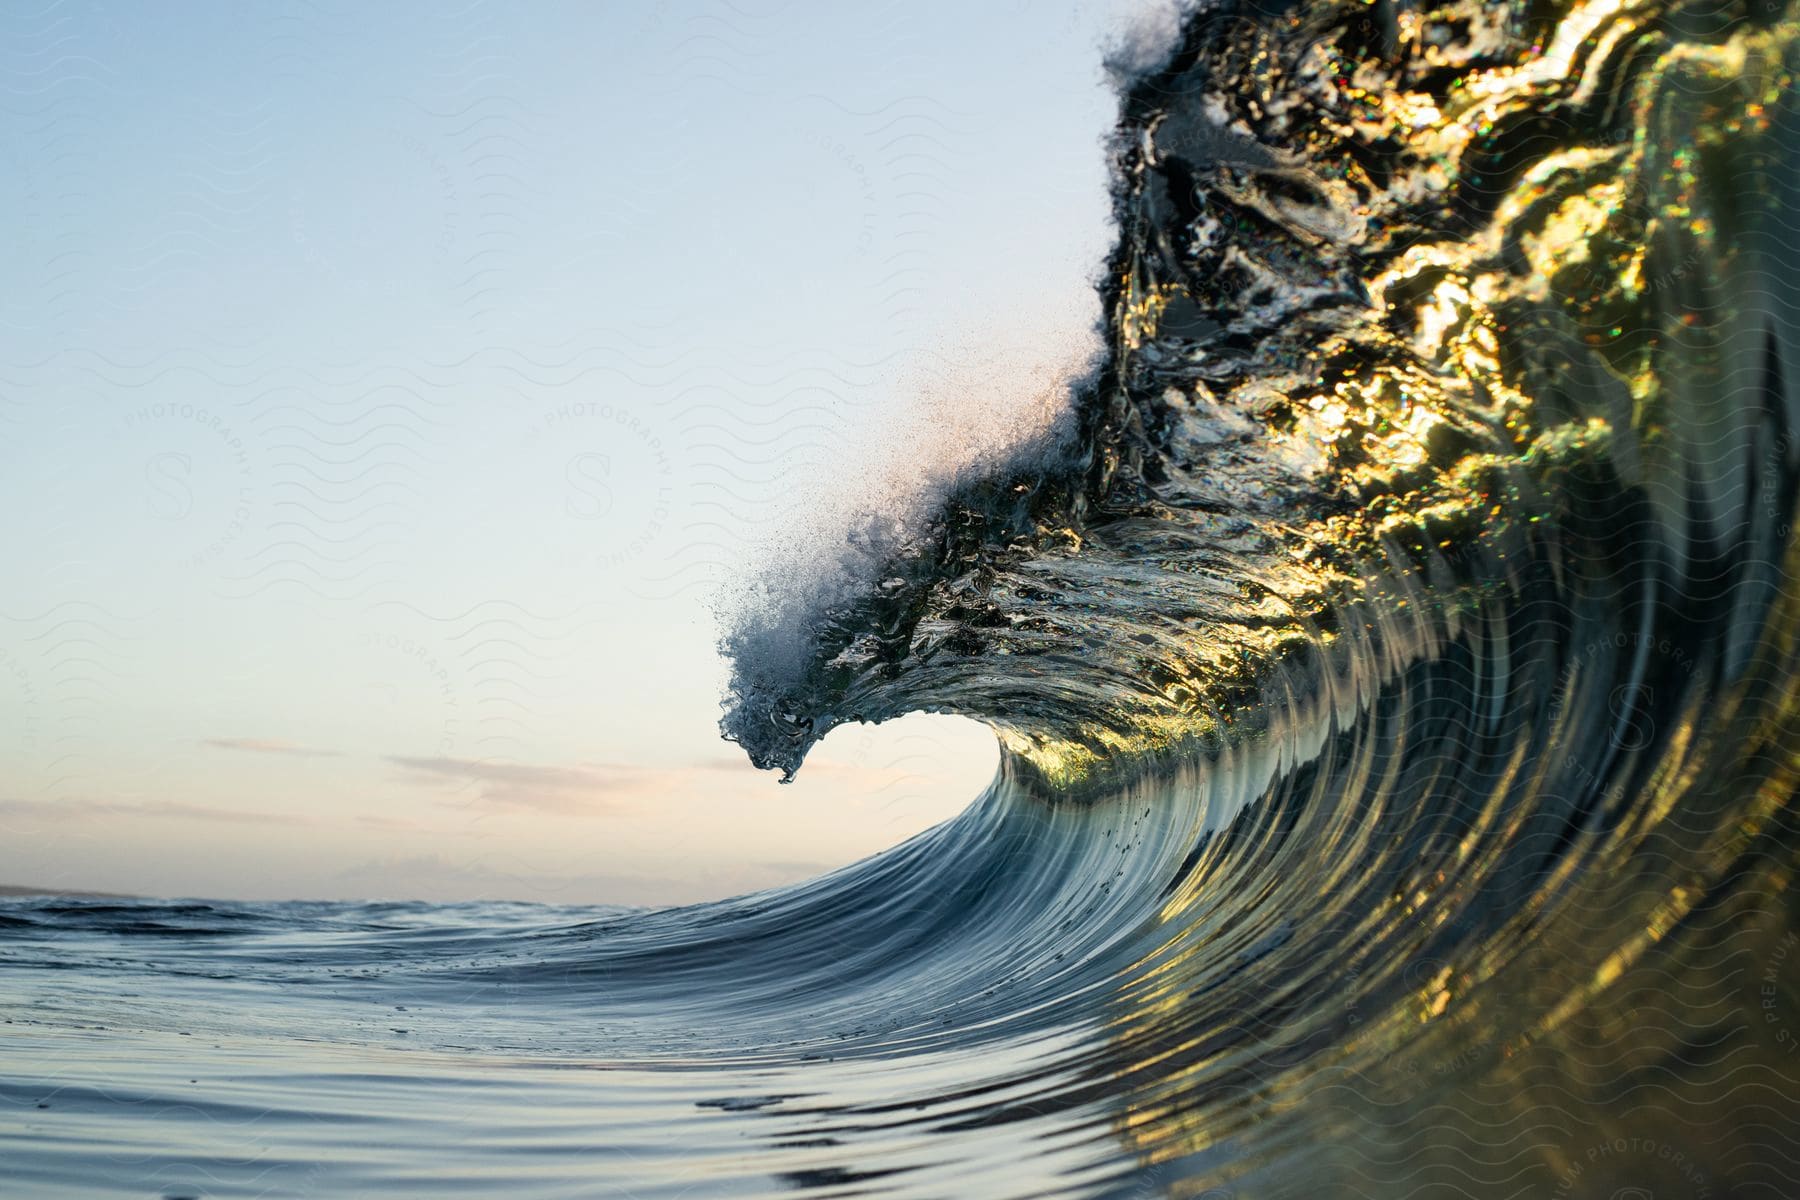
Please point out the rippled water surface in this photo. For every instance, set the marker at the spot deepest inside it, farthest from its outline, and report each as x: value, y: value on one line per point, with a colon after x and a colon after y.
x: 1396, y: 671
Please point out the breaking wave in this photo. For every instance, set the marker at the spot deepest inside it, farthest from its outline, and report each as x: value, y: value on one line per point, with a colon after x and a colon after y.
x: 1395, y: 663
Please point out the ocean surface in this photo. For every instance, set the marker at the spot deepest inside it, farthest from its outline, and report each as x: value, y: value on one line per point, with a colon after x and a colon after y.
x: 1396, y: 661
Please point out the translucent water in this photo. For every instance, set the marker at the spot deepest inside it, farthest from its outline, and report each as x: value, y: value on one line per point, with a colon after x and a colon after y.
x: 1396, y: 668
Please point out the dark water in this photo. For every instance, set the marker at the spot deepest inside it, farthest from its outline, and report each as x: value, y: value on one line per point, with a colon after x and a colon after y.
x: 1397, y: 666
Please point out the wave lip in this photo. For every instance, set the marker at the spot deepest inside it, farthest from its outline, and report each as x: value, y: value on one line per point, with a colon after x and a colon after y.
x: 1391, y: 320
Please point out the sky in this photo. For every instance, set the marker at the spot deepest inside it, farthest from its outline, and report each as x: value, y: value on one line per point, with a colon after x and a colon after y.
x: 391, y: 395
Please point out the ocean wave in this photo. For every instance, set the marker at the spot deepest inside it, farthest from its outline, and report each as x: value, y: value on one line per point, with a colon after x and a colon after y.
x: 1396, y: 670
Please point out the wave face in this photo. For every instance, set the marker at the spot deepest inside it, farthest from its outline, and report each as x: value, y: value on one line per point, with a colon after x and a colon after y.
x: 1398, y: 683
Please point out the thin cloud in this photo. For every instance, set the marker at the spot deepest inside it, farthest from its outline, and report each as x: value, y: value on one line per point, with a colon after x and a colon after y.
x: 62, y: 810
x: 387, y: 824
x: 739, y: 764
x: 577, y: 789
x: 589, y: 788
x: 269, y: 746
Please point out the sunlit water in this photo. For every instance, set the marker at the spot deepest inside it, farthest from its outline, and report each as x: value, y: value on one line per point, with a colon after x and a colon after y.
x: 1396, y: 667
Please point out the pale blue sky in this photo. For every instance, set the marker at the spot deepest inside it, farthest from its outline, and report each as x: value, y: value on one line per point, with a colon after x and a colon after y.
x: 384, y: 389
